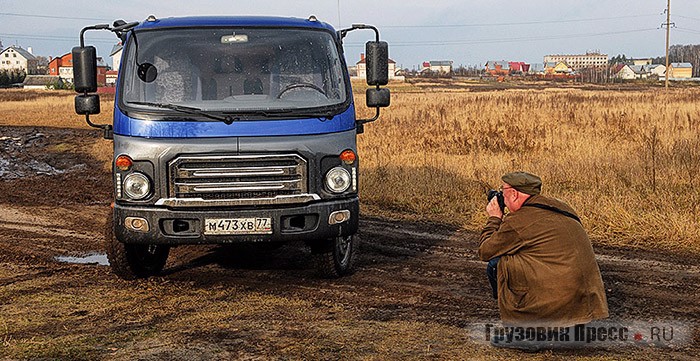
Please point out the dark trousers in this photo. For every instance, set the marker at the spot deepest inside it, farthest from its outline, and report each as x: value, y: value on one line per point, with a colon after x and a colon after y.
x: 492, y: 273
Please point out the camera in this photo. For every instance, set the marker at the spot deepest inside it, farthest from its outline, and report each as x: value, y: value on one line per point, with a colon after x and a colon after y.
x: 499, y: 197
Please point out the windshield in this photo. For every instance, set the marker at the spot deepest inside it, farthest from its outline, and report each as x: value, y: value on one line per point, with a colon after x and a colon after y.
x: 231, y: 70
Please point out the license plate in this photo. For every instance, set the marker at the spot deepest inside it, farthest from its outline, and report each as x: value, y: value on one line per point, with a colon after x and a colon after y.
x: 238, y: 226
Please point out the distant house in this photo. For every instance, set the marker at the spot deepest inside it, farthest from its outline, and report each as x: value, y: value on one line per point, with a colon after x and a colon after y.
x: 438, y: 66
x: 559, y: 67
x: 101, y: 72
x: 63, y: 67
x: 518, y: 67
x: 55, y: 64
x: 17, y: 58
x: 658, y: 70
x: 536, y: 68
x: 680, y: 71
x: 41, y: 82
x: 497, y: 68
x: 623, y: 71
x: 361, y: 67
x: 640, y: 71
x: 116, y: 55
x: 111, y: 78
x: 592, y: 59
x: 641, y: 61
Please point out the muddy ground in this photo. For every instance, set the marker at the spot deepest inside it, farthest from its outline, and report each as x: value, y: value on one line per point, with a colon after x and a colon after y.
x: 419, y: 291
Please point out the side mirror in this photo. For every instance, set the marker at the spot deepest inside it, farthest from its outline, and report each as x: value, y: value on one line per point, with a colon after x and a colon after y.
x: 378, y: 98
x: 377, y: 69
x: 87, y: 104
x: 85, y: 79
x: 85, y: 69
x: 377, y: 62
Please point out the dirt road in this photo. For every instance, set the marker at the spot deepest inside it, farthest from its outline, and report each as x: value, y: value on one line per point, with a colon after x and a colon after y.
x: 419, y: 292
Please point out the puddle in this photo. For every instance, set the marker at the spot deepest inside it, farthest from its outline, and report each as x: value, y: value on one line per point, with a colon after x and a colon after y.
x: 92, y: 258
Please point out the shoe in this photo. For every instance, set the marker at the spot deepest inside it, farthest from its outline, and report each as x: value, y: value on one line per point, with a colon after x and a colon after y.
x: 509, y: 342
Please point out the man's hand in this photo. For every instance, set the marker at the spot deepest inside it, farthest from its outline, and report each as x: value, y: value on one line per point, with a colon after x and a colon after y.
x: 493, y: 209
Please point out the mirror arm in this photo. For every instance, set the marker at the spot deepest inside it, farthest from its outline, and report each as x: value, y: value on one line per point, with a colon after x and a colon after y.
x: 117, y: 29
x: 93, y: 27
x: 344, y: 32
x: 360, y: 122
x: 106, y: 128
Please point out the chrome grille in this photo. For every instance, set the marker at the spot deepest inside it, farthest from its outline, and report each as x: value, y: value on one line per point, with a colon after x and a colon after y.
x: 197, y: 180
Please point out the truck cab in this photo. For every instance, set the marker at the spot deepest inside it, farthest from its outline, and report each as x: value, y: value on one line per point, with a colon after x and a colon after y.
x: 232, y: 130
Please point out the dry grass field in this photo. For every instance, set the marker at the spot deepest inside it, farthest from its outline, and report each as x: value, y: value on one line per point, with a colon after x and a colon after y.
x: 627, y: 161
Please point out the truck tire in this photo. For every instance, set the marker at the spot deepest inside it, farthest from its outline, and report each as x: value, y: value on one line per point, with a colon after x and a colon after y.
x: 335, y: 257
x: 132, y: 261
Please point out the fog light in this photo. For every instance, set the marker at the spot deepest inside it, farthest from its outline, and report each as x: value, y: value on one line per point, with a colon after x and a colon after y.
x: 339, y: 217
x: 137, y: 224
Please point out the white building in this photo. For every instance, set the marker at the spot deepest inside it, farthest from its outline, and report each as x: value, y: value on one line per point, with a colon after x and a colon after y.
x: 361, y: 67
x: 640, y: 71
x: 580, y: 61
x: 641, y: 61
x: 657, y: 69
x: 624, y: 71
x: 116, y: 55
x: 438, y: 66
x: 16, y: 58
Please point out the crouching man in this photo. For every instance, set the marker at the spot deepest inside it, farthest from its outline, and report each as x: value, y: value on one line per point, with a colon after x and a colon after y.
x: 541, y: 262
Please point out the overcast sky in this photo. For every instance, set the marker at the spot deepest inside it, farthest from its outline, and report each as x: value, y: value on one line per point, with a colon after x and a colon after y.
x: 467, y: 32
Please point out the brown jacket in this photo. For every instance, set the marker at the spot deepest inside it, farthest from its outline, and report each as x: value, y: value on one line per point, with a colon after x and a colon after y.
x: 547, y: 274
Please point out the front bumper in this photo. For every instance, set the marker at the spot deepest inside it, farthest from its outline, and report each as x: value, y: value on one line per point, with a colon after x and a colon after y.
x: 289, y: 223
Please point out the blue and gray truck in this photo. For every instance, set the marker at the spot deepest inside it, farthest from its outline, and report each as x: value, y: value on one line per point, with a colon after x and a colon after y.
x: 232, y: 130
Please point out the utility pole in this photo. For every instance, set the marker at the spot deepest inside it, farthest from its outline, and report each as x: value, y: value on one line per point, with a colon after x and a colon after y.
x: 340, y: 25
x: 668, y: 32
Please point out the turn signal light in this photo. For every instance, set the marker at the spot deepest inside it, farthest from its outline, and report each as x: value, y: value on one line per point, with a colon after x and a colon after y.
x: 348, y: 157
x: 123, y: 162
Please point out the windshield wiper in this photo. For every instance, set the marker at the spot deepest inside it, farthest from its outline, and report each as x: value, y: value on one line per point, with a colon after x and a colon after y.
x: 228, y: 119
x: 277, y: 113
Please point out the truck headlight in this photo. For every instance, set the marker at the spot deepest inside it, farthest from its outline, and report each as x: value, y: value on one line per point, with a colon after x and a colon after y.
x: 338, y: 180
x: 136, y: 185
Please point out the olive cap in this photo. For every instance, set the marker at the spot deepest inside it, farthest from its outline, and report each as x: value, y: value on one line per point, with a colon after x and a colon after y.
x: 524, y: 182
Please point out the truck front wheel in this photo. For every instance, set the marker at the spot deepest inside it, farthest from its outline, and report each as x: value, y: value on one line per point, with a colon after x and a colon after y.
x: 335, y: 257
x: 131, y: 261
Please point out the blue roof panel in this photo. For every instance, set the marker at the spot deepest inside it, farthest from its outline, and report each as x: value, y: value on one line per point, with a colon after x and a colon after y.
x: 247, y: 21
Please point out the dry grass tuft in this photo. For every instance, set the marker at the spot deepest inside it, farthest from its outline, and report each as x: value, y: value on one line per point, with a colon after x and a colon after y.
x: 48, y: 109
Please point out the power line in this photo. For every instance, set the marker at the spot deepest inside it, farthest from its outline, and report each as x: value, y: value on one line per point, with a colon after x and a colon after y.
x: 510, y: 39
x: 50, y: 17
x: 686, y: 17
x: 55, y: 38
x: 519, y: 23
x: 690, y: 31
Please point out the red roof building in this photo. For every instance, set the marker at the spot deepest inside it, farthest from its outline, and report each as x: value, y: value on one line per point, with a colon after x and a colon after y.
x: 63, y: 67
x: 57, y: 63
x: 520, y: 66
